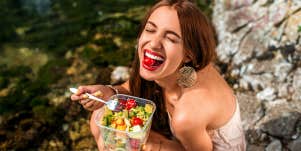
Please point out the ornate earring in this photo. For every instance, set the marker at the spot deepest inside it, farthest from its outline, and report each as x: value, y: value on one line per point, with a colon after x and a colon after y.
x: 187, y: 77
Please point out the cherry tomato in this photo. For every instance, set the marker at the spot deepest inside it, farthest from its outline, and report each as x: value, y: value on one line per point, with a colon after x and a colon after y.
x: 136, y: 121
x: 122, y: 103
x: 130, y: 103
x: 148, y: 61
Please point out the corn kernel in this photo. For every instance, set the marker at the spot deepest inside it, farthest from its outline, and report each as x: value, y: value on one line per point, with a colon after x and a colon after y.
x: 120, y: 121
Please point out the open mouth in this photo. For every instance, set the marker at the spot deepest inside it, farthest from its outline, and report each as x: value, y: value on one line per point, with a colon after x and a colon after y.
x: 152, y: 60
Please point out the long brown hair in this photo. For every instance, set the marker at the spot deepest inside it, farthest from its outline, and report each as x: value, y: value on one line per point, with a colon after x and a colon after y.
x: 199, y: 45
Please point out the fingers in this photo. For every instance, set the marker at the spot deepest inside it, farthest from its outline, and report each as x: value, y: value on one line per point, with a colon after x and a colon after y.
x: 76, y: 97
x: 89, y: 104
x: 83, y: 99
x: 82, y: 90
x: 98, y: 94
x: 92, y: 105
x: 80, y: 94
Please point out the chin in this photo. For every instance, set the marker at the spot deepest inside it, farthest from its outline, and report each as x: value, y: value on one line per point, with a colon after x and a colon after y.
x: 145, y: 75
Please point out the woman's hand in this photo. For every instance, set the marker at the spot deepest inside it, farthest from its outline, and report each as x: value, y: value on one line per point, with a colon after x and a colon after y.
x: 100, y: 91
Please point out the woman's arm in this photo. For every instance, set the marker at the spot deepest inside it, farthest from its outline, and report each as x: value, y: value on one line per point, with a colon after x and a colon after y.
x: 157, y: 142
x: 195, y: 139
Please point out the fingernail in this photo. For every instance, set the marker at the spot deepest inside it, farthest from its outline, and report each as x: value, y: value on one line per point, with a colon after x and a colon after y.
x: 84, y: 96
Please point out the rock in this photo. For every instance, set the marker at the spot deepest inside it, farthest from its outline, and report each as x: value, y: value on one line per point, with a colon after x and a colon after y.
x: 120, y: 74
x: 234, y: 4
x: 277, y: 11
x: 259, y: 43
x: 297, y: 85
x: 283, y: 89
x: 281, y: 125
x: 295, y: 145
x: 275, y: 145
x: 266, y: 94
x: 228, y: 47
x: 251, y: 109
x: 256, y: 136
x: 294, y: 6
x: 256, y: 82
x: 251, y: 147
x: 246, y: 50
x: 282, y: 70
x: 240, y: 17
x: 259, y: 67
x: 291, y: 29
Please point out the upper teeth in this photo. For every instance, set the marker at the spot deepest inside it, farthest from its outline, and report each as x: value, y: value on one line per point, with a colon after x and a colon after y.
x: 153, y: 56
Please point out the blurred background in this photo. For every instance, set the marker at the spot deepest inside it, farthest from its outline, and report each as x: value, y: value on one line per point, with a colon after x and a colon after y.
x: 47, y: 46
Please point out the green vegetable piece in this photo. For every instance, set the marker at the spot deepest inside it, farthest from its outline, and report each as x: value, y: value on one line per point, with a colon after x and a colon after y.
x: 125, y: 114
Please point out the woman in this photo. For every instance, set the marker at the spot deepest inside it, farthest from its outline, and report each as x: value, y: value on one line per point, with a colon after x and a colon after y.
x: 196, y: 109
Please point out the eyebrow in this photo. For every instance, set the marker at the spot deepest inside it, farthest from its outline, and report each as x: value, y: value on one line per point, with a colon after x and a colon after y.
x: 168, y: 31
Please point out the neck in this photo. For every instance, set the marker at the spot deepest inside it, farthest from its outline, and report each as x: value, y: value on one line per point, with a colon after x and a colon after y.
x: 170, y: 86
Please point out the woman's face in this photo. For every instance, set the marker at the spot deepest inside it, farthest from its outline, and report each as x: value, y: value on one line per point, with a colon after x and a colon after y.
x: 160, y: 46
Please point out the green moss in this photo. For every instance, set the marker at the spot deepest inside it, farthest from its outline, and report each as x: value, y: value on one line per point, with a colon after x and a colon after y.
x: 299, y: 28
x: 3, y: 82
x: 51, y: 72
x: 38, y: 101
x: 45, y: 114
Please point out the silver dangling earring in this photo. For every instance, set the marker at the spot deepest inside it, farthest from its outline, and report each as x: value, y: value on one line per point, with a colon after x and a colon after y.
x: 187, y: 77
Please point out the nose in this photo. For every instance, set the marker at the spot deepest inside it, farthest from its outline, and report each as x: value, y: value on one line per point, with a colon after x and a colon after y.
x: 156, y: 42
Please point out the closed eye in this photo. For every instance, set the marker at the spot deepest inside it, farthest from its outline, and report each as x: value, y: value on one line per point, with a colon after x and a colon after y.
x: 172, y: 39
x: 149, y: 30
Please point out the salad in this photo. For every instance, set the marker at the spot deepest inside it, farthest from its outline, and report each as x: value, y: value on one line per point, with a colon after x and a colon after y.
x: 130, y: 118
x: 126, y: 129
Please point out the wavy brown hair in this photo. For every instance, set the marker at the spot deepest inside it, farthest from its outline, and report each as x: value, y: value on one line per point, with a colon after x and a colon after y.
x: 199, y: 45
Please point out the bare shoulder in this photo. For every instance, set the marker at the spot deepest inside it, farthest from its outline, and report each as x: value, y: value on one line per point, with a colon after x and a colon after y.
x: 190, y: 119
x: 194, y: 109
x: 209, y: 104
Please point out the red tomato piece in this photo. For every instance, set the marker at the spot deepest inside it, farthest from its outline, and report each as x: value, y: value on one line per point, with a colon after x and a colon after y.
x: 149, y: 61
x: 137, y: 121
x: 122, y: 103
x: 130, y: 104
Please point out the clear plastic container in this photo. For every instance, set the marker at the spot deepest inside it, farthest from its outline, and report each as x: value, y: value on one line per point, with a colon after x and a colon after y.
x: 117, y: 140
